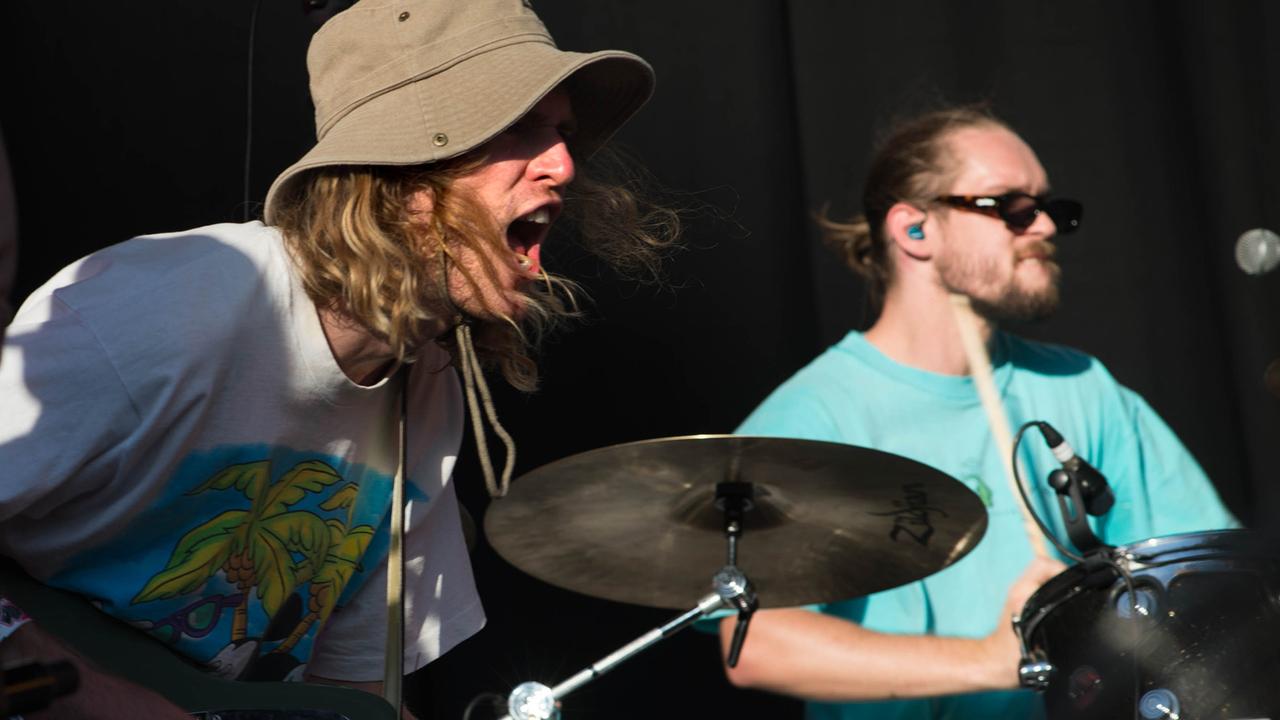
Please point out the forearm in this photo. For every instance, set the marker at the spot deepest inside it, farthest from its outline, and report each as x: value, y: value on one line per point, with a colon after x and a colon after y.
x: 825, y: 658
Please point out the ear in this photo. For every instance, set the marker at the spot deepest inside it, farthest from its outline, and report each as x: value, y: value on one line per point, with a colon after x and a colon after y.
x: 900, y: 224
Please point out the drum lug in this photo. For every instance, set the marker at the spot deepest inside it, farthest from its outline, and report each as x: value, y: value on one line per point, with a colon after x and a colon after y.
x: 1034, y: 672
x: 1034, y: 668
x: 1159, y: 704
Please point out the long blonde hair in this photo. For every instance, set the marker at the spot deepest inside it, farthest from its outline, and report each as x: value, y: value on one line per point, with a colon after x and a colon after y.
x: 359, y: 247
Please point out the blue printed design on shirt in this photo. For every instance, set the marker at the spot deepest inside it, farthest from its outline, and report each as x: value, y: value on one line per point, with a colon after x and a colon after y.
x: 244, y: 556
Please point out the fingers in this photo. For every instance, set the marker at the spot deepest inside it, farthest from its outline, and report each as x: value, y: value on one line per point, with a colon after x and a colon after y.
x: 1036, y: 574
x: 1042, y: 569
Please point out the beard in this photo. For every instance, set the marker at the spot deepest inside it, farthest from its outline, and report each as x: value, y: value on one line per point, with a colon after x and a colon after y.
x: 1012, y: 301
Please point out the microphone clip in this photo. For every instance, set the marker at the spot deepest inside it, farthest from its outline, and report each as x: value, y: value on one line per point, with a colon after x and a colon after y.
x: 1081, y: 490
x: 1067, y: 486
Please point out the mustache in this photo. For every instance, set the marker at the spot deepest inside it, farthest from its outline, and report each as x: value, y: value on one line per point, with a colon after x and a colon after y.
x: 1037, y: 249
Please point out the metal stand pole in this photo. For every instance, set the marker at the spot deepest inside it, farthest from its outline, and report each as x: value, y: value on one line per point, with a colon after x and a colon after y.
x: 535, y: 701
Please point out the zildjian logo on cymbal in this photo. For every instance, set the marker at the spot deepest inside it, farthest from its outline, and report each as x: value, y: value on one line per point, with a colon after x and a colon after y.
x: 912, y: 517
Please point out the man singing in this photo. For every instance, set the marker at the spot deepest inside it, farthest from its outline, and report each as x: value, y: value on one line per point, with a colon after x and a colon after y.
x: 200, y: 429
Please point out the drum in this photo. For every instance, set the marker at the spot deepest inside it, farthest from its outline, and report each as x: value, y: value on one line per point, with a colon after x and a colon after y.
x: 1193, y: 633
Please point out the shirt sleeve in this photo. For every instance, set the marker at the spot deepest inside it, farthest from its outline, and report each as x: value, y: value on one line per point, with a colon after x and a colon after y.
x: 65, y: 413
x: 1160, y: 488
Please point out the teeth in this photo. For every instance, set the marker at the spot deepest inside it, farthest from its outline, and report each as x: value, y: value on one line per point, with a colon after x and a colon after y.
x: 541, y: 216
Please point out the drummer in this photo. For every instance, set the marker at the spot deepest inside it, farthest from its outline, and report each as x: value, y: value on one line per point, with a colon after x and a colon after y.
x: 956, y: 202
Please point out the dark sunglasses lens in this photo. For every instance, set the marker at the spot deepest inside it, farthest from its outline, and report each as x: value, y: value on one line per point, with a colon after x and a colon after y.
x: 1065, y: 214
x: 1019, y: 211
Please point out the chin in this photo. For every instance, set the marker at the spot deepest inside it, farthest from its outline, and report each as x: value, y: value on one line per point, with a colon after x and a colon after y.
x: 510, y: 306
x: 1019, y: 307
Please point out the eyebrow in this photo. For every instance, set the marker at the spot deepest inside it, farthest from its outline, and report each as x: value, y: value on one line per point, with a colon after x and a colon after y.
x: 997, y: 190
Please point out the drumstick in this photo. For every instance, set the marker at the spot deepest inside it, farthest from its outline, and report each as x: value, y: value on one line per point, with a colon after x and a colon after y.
x: 980, y: 368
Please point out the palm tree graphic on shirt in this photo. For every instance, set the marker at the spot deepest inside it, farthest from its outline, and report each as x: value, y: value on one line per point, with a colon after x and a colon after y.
x: 269, y: 549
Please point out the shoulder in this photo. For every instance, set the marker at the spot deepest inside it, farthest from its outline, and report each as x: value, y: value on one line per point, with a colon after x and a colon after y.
x: 1055, y: 363
x: 814, y: 380
x: 1075, y: 383
x: 806, y: 404
x: 154, y: 300
x: 849, y: 355
x: 207, y: 274
x: 173, y: 263
x: 1049, y: 358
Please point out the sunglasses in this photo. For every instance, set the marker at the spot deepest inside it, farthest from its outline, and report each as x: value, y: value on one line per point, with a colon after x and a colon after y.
x: 1019, y: 210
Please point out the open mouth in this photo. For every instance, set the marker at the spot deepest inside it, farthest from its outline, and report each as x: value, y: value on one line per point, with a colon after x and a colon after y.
x: 525, y: 235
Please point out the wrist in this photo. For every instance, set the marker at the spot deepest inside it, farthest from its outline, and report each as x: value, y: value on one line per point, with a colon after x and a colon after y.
x: 997, y: 662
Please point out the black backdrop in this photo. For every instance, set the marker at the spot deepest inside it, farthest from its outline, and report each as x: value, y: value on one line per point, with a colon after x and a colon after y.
x: 126, y: 118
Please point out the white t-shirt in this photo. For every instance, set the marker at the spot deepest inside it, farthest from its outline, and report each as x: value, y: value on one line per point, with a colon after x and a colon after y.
x: 178, y: 443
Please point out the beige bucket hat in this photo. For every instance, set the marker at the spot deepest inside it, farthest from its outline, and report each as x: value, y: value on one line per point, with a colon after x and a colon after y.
x: 406, y: 82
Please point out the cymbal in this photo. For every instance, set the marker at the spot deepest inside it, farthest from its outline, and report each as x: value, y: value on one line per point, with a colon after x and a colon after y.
x: 637, y: 523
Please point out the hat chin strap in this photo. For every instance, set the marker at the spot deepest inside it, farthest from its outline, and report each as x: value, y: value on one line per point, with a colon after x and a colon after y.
x: 473, y: 380
x: 477, y: 391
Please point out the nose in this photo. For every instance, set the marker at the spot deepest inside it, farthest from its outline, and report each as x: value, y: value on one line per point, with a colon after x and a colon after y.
x: 554, y: 163
x: 1043, y: 225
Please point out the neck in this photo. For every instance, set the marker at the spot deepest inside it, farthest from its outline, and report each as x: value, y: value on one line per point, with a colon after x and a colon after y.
x: 363, y: 358
x: 923, y: 332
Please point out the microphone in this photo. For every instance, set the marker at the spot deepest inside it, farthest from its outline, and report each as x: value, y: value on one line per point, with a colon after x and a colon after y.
x: 1094, y: 489
x: 1258, y: 251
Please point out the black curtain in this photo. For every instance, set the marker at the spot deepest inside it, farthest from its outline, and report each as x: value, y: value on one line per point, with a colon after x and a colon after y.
x: 128, y: 118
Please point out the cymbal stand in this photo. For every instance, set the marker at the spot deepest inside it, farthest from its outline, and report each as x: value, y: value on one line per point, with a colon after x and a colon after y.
x: 732, y: 590
x: 735, y: 499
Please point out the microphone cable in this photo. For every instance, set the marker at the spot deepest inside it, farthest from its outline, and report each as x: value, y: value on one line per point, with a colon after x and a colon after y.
x: 1108, y: 558
x: 1026, y: 500
x: 497, y: 701
x: 248, y: 112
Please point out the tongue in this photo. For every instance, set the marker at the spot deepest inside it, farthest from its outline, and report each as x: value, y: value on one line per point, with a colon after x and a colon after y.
x: 534, y: 253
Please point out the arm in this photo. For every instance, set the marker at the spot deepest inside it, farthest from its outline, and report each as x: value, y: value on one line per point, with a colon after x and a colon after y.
x: 100, y: 696
x: 826, y: 658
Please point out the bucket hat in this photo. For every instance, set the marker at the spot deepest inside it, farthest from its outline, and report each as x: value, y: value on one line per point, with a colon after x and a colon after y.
x: 407, y: 82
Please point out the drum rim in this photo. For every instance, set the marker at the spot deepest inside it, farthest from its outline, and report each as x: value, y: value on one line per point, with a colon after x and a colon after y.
x: 1143, y: 555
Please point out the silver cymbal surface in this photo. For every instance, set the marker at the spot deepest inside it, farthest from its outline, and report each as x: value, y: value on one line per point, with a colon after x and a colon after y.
x: 638, y: 522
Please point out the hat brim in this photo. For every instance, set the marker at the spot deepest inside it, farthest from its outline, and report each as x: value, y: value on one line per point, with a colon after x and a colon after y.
x: 446, y: 114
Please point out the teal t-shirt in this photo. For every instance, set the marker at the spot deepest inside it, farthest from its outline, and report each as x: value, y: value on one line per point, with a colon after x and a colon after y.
x: 854, y: 394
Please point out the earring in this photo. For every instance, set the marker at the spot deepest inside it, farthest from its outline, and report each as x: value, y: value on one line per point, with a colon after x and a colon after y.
x: 915, y: 232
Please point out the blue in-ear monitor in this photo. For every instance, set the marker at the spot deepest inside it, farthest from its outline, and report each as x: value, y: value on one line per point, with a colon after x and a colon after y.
x: 915, y: 232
